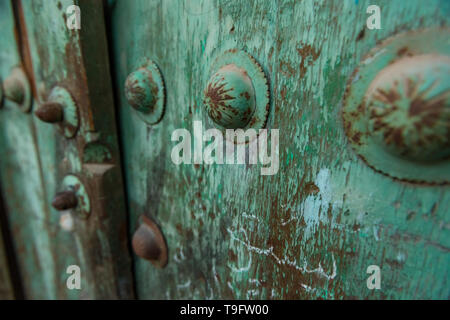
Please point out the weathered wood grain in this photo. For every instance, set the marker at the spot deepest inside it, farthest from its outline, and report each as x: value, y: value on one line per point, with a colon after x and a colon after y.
x: 312, y: 230
x: 7, y: 58
x: 37, y: 157
x: 19, y: 168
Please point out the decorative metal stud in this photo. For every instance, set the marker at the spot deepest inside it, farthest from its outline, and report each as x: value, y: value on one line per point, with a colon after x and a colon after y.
x: 17, y: 89
x: 145, y: 92
x: 149, y: 243
x: 230, y: 97
x: 65, y: 200
x: 397, y: 108
x: 60, y: 109
x: 50, y: 112
x: 408, y: 105
x: 74, y: 197
x: 237, y: 94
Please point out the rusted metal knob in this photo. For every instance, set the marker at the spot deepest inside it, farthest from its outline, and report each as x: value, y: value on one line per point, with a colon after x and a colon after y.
x: 74, y: 197
x: 141, y: 90
x: 149, y: 243
x: 60, y: 109
x: 65, y: 200
x: 50, y: 112
x: 230, y: 97
x: 145, y: 92
x: 408, y: 107
x: 17, y: 89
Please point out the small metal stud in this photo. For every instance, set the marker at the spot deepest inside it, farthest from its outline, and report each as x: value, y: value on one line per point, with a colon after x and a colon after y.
x: 50, y: 112
x: 65, y: 200
x: 149, y: 243
x: 74, y: 197
x: 60, y: 109
x: 145, y: 92
x: 141, y: 90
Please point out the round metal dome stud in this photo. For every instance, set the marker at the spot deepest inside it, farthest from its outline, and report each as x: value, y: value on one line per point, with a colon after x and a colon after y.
x: 396, y: 110
x: 17, y: 89
x: 60, y: 109
x: 237, y: 94
x: 230, y: 97
x: 145, y: 92
x: 149, y: 243
x: 408, y: 106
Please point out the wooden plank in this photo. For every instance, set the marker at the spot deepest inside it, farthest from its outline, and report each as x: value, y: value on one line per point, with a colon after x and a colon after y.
x: 19, y: 166
x: 77, y: 61
x: 7, y: 57
x: 311, y: 230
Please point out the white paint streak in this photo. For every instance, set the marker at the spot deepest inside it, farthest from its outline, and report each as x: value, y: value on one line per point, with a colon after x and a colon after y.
x: 252, y: 293
x: 179, y: 256
x: 308, y: 288
x: 251, y: 217
x: 284, y: 261
x: 184, y: 285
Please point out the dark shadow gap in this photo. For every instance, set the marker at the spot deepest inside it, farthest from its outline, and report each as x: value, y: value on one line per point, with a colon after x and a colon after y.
x: 10, y: 252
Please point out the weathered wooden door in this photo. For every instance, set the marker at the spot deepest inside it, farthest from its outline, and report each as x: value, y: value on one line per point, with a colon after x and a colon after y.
x: 312, y: 229
x: 350, y: 199
x: 69, y: 146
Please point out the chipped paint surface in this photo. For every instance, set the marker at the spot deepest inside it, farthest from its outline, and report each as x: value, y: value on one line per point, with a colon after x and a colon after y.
x: 312, y: 230
x: 308, y: 232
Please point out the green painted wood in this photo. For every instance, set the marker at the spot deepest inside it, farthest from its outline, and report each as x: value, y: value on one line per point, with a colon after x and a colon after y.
x: 311, y: 230
x: 8, y: 58
x: 38, y: 157
x: 22, y: 184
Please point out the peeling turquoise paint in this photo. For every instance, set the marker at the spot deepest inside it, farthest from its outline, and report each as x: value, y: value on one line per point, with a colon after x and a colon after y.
x: 310, y: 231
